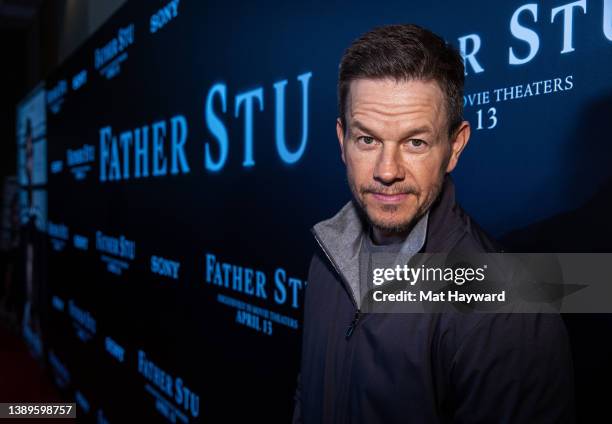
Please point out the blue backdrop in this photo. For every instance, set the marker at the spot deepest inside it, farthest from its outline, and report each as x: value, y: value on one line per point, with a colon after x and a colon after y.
x: 191, y: 146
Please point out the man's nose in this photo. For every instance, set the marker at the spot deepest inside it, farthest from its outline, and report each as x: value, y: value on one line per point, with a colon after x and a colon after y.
x: 388, y: 166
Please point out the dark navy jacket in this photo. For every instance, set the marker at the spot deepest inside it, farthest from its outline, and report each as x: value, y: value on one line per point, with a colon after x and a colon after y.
x: 423, y: 368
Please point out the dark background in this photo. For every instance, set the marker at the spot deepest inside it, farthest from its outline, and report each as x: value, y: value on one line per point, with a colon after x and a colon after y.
x: 539, y: 180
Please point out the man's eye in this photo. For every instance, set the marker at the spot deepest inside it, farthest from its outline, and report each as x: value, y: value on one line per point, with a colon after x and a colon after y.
x: 366, y: 139
x: 415, y: 142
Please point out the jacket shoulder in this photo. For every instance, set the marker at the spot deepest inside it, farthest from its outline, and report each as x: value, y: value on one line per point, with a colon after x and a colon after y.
x: 475, y: 238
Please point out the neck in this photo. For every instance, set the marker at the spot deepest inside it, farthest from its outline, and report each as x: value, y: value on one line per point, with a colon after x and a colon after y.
x: 382, y: 237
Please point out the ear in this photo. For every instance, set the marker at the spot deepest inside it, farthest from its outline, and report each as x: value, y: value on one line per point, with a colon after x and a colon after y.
x: 340, y: 134
x: 458, y: 143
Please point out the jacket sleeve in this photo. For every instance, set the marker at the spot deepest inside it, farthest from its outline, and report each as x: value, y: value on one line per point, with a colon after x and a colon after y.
x: 513, y: 368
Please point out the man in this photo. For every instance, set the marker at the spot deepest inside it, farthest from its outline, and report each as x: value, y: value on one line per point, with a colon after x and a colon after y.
x: 401, y: 133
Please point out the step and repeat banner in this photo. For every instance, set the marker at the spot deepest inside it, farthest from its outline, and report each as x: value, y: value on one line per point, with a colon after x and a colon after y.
x: 191, y: 146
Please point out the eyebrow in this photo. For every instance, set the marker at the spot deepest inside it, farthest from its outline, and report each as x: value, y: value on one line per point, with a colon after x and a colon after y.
x: 419, y: 130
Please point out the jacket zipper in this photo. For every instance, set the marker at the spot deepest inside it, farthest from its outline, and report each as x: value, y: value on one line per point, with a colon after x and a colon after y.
x: 353, y: 324
x: 351, y: 327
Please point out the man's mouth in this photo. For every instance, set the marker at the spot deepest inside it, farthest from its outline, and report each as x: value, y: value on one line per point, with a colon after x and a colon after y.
x: 390, y: 198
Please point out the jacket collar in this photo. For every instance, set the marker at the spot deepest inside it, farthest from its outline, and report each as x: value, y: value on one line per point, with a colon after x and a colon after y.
x: 448, y: 222
x: 340, y: 237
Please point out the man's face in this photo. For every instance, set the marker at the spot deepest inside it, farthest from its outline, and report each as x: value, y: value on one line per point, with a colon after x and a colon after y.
x: 396, y: 149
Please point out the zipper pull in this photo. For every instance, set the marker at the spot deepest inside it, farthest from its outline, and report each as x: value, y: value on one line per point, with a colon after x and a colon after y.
x: 349, y: 330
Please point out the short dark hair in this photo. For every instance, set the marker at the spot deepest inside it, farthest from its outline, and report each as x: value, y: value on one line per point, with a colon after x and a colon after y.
x: 404, y: 52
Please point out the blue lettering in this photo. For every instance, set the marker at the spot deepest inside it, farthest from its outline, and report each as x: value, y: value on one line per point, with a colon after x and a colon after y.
x: 141, y: 152
x: 179, y: 137
x: 280, y: 293
x: 159, y: 161
x: 216, y: 127
x: 247, y: 98
x: 105, y: 139
x: 281, y: 144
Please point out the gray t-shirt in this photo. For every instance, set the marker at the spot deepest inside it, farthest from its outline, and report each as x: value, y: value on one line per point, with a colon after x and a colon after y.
x: 372, y: 256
